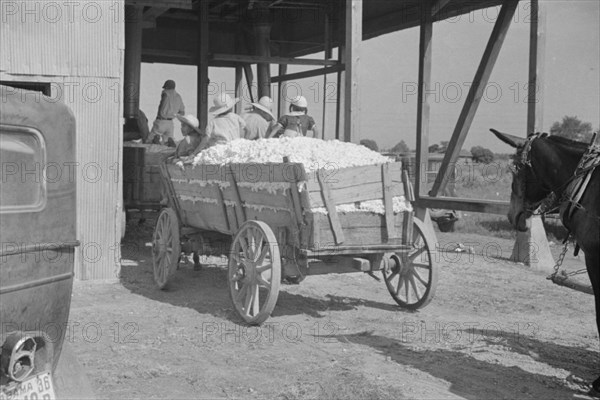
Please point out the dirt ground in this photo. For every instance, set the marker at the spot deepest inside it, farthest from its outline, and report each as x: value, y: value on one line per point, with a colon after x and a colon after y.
x: 495, y: 330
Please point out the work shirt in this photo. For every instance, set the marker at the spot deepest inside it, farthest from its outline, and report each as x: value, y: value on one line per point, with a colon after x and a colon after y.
x: 225, y: 128
x: 256, y: 126
x: 296, y: 123
x: 170, y: 104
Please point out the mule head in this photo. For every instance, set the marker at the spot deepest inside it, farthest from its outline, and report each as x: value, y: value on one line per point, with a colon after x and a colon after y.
x: 525, y: 191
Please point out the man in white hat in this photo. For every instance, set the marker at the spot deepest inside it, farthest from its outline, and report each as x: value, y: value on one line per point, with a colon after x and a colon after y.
x: 170, y: 105
x: 226, y: 125
x: 259, y: 119
x: 295, y: 123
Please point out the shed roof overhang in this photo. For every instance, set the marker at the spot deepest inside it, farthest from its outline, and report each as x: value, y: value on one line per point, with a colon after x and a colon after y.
x: 298, y: 27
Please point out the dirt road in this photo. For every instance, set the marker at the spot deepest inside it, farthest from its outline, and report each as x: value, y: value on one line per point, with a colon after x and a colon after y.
x: 495, y: 330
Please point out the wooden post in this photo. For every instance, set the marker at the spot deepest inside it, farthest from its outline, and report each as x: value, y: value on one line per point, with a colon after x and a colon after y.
x: 203, y: 64
x: 354, y: 13
x: 531, y: 247
x: 480, y: 81
x: 339, y: 126
x: 239, y: 77
x: 536, y: 68
x: 422, y: 151
x: 249, y: 80
x: 133, y: 61
x: 262, y: 33
x: 281, y: 89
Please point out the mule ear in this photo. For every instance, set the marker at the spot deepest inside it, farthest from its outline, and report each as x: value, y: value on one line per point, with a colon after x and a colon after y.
x: 511, y: 140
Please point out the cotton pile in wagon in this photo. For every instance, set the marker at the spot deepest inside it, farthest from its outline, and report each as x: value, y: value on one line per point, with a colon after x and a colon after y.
x: 314, y: 154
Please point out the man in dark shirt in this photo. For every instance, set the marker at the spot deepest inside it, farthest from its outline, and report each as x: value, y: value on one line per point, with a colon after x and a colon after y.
x: 170, y: 105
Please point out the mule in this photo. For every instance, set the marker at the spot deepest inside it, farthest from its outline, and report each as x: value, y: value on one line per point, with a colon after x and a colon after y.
x: 547, y: 164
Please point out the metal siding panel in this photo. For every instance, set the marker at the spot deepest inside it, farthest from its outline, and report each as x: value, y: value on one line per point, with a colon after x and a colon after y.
x: 62, y: 38
x: 99, y: 132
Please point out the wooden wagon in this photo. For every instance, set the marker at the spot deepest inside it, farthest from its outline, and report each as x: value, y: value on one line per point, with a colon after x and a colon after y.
x: 277, y: 221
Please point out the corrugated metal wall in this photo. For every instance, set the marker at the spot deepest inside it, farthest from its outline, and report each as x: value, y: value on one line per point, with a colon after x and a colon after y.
x: 79, y: 48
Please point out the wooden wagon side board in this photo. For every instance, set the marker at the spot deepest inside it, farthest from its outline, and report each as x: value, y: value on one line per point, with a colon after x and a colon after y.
x: 350, y: 185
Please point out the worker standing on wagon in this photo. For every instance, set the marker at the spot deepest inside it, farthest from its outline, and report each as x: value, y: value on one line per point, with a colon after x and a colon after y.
x: 170, y: 105
x: 297, y: 122
x: 260, y: 119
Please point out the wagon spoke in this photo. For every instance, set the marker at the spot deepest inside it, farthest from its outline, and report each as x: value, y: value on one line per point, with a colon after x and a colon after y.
x: 262, y: 281
x: 263, y: 255
x: 414, y: 286
x: 263, y: 268
x: 256, y: 302
x: 241, y: 293
x: 251, y: 243
x: 244, y: 247
x: 424, y: 266
x: 399, y: 285
x: 412, y: 256
x: 419, y: 278
x: 248, y: 300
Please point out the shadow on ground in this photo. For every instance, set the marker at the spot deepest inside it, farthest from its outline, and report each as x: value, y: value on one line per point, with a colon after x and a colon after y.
x: 475, y: 379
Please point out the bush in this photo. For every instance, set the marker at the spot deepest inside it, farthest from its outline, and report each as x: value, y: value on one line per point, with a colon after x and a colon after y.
x: 370, y: 144
x: 482, y: 155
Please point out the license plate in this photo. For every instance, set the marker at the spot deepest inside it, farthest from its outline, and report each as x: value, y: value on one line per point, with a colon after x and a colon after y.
x: 40, y: 387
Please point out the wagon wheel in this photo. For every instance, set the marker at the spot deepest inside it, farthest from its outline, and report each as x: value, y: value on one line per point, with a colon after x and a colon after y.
x: 411, y: 277
x: 254, y: 271
x: 166, y: 247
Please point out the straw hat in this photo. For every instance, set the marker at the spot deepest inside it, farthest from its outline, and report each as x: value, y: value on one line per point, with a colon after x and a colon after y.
x: 169, y: 84
x: 190, y: 121
x: 298, y: 101
x: 223, y: 102
x: 265, y: 104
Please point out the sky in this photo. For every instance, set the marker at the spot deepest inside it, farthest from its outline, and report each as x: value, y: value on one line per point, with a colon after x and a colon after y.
x: 389, y: 70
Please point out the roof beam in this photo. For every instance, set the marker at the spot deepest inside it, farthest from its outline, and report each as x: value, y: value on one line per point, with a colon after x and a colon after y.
x: 183, y: 4
x: 241, y: 58
x: 307, y: 74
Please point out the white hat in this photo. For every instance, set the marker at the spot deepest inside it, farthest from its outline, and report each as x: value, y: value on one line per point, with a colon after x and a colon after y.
x: 190, y: 120
x: 223, y: 102
x: 299, y: 101
x: 265, y: 104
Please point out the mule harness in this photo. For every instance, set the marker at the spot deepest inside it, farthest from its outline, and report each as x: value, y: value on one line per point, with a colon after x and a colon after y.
x: 569, y: 200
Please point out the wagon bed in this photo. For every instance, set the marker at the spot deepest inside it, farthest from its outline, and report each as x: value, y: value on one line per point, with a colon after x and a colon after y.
x: 278, y: 221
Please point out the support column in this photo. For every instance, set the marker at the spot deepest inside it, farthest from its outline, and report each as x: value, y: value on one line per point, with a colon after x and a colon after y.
x: 282, y: 90
x: 422, y: 150
x: 133, y: 61
x: 354, y: 12
x: 537, y: 46
x: 239, y: 78
x: 531, y: 247
x: 202, y: 104
x: 262, y: 33
x: 425, y: 55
